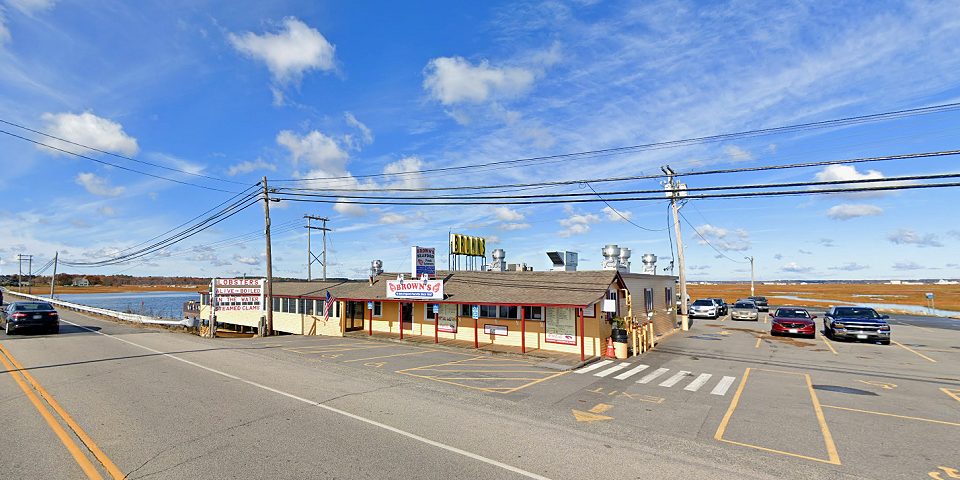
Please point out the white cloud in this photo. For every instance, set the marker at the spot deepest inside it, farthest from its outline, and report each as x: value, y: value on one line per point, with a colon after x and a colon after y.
x: 577, y: 224
x: 4, y: 31
x: 909, y: 237
x: 793, y: 267
x: 407, y: 173
x: 507, y: 214
x: 954, y: 234
x: 850, y: 267
x: 737, y: 154
x: 723, y: 239
x: 106, y: 211
x: 246, y: 260
x: 90, y: 130
x: 250, y: 166
x: 514, y: 226
x: 453, y: 80
x: 908, y: 266
x: 612, y: 215
x: 318, y: 152
x: 97, y: 185
x: 827, y: 242
x: 31, y: 6
x: 491, y: 239
x: 349, y: 209
x: 846, y: 211
x: 835, y: 173
x: 289, y: 53
x: 364, y: 130
x: 393, y: 218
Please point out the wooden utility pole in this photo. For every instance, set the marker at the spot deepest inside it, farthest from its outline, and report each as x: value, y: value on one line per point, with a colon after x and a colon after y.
x: 674, y: 193
x: 752, y: 292
x: 310, y: 256
x: 53, y: 279
x: 268, y: 297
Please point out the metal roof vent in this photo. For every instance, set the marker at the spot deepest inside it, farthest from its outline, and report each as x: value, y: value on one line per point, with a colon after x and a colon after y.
x: 611, y: 257
x: 563, y: 261
x: 376, y: 267
x: 649, y: 264
x: 499, y: 263
x: 624, y: 260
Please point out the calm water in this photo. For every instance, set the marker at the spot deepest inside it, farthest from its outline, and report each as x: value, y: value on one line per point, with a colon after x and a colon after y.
x: 155, y: 304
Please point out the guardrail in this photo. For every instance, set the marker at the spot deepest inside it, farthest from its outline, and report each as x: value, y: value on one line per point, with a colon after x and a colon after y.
x: 127, y: 317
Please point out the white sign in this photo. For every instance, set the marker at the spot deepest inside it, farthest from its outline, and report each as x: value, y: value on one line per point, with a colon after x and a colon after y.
x: 238, y: 291
x: 238, y: 294
x: 239, y: 282
x: 561, y: 326
x: 415, y: 289
x: 423, y: 261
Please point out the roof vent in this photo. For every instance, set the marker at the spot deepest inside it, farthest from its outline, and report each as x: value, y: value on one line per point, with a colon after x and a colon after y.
x: 611, y: 257
x: 563, y: 261
x: 499, y: 262
x: 649, y: 264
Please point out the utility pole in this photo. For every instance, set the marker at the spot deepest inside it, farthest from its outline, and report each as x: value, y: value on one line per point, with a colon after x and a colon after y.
x: 268, y: 298
x: 674, y: 194
x: 53, y: 279
x: 752, y: 292
x: 30, y: 274
x: 310, y: 256
x: 20, y: 258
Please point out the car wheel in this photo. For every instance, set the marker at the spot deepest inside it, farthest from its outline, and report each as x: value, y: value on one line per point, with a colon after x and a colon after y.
x: 774, y: 334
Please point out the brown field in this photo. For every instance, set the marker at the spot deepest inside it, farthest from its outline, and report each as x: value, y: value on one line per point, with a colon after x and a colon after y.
x: 45, y: 289
x: 946, y: 297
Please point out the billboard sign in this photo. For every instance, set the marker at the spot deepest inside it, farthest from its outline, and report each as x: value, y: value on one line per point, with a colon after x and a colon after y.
x: 415, y: 289
x: 238, y: 294
x: 423, y: 261
x: 467, y: 245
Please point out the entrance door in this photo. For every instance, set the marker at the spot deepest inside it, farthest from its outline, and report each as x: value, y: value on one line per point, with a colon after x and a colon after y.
x: 353, y: 317
x: 406, y: 316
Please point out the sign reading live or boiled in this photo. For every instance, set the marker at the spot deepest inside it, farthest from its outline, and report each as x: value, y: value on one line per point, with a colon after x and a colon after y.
x: 423, y: 261
x: 415, y: 289
x: 236, y: 294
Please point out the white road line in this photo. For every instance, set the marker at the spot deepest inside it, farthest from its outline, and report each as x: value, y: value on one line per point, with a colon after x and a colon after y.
x: 722, y: 386
x: 474, y: 456
x: 633, y: 371
x: 674, y: 379
x: 612, y: 369
x: 698, y: 382
x: 594, y: 366
x: 656, y: 373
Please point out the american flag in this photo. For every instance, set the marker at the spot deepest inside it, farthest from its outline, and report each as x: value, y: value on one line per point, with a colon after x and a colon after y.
x: 326, y: 306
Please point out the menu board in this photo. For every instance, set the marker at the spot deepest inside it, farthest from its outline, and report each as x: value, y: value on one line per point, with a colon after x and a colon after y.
x: 561, y: 326
x: 448, y: 318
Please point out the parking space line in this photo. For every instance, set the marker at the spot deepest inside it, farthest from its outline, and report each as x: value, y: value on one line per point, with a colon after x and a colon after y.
x: 656, y: 373
x: 544, y: 379
x: 615, y: 368
x: 595, y: 366
x: 389, y: 356
x: 758, y: 342
x: 913, y: 351
x: 633, y: 371
x: 675, y: 378
x: 829, y: 345
x: 485, y: 378
x: 930, y: 420
x: 318, y: 349
x: 698, y: 382
x: 952, y: 393
x: 824, y: 429
x: 722, y: 386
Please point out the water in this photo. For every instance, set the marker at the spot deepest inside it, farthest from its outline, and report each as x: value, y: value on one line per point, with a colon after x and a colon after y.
x: 154, y: 304
x: 916, y: 309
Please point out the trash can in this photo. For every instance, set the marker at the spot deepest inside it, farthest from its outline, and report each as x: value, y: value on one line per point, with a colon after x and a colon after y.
x: 619, y: 336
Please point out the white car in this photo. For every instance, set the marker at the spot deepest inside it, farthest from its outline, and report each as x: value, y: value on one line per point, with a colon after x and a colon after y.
x: 705, y: 307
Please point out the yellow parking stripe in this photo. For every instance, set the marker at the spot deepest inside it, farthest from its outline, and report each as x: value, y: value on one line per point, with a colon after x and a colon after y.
x: 829, y: 345
x: 930, y: 420
x: 913, y: 351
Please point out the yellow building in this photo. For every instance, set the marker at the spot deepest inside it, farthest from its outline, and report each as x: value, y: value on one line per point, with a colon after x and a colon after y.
x: 559, y: 311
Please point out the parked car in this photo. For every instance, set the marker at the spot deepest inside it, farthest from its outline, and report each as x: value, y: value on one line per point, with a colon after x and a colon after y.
x: 856, y: 323
x: 744, y: 310
x: 704, y: 307
x: 722, y: 306
x: 23, y: 315
x: 793, y: 321
x: 761, y: 303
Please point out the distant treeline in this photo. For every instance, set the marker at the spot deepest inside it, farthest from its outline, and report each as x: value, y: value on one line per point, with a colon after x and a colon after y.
x: 66, y: 279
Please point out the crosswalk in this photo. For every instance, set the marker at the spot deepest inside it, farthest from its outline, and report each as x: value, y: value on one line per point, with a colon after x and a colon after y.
x: 627, y: 371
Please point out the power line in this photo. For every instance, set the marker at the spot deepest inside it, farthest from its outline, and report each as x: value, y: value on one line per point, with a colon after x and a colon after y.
x: 121, y: 167
x: 705, y: 239
x: 106, y: 152
x: 620, y: 214
x: 845, y: 121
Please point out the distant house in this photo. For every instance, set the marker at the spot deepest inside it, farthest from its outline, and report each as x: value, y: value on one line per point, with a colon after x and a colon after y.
x: 81, y: 282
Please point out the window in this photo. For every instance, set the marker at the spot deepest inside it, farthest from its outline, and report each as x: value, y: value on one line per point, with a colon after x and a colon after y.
x: 466, y: 311
x: 429, y: 308
x: 488, y: 311
x: 533, y: 313
x: 285, y: 305
x: 377, y: 309
x: 648, y: 299
x: 307, y: 307
x: 668, y: 296
x: 509, y: 312
x: 276, y: 304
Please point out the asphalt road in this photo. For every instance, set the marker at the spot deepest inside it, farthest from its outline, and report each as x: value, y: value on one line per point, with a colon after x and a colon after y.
x: 162, y: 404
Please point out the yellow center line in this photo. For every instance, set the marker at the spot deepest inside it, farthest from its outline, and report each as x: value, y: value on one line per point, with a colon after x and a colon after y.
x: 65, y: 439
x: 912, y: 351
x: 829, y: 344
x: 81, y: 434
x: 942, y: 422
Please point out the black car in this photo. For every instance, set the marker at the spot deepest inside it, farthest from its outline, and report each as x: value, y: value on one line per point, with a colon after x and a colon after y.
x: 30, y: 315
x: 722, y: 307
x: 761, y: 303
x: 856, y: 323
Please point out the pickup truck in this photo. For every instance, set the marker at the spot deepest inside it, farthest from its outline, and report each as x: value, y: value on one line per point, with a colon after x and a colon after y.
x: 856, y: 323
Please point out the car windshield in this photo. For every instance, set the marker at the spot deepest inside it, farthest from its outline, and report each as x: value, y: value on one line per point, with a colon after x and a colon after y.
x: 703, y: 302
x: 792, y: 313
x: 744, y: 305
x: 27, y: 307
x: 855, y: 312
x: 759, y: 299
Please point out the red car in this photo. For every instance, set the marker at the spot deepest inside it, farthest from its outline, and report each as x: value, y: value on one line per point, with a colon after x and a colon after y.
x: 793, y: 321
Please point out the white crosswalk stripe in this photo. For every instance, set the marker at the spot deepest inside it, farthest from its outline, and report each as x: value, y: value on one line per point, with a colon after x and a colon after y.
x: 723, y: 385
x: 675, y: 379
x: 698, y: 382
x: 615, y: 368
x: 595, y: 366
x: 656, y: 373
x: 633, y: 371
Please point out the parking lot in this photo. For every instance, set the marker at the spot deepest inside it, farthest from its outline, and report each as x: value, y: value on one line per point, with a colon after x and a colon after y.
x: 786, y: 404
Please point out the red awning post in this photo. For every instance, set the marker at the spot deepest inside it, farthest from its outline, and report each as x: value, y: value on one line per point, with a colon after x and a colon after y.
x: 523, y: 331
x: 400, y: 318
x: 436, y: 328
x: 583, y: 355
x: 476, y: 334
x: 370, y: 326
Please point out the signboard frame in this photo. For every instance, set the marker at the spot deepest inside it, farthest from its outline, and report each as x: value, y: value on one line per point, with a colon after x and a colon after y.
x: 423, y: 261
x: 497, y: 330
x: 415, y: 289
x: 552, y: 320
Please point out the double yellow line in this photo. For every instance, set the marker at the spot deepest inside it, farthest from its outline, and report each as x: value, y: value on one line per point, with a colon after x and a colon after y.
x: 31, y: 388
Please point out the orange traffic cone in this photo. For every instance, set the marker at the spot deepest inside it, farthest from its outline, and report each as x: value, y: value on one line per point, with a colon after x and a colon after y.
x: 611, y: 352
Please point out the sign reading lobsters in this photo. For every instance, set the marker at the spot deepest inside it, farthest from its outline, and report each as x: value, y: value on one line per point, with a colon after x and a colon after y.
x: 238, y: 294
x: 415, y: 289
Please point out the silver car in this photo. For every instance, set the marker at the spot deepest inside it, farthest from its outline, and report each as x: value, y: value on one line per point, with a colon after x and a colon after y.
x: 744, y: 310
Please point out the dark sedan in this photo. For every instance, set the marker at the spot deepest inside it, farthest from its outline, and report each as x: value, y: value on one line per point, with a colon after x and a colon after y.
x: 761, y: 303
x: 793, y: 321
x: 30, y: 315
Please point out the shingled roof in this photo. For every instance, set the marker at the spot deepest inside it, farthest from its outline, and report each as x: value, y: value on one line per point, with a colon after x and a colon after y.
x: 580, y: 288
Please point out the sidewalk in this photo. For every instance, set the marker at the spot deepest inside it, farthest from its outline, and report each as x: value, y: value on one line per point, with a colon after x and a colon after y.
x: 546, y: 358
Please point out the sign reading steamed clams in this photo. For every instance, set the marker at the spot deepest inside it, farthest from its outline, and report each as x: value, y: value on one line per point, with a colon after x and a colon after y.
x: 561, y: 326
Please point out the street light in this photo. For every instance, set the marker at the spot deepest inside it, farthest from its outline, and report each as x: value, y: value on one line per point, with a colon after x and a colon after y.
x: 752, y: 293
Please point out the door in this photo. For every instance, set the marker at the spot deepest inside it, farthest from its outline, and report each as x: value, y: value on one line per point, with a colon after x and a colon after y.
x: 406, y: 316
x: 353, y: 317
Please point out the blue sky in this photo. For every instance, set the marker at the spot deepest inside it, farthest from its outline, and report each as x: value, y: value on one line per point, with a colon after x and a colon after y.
x: 238, y: 90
